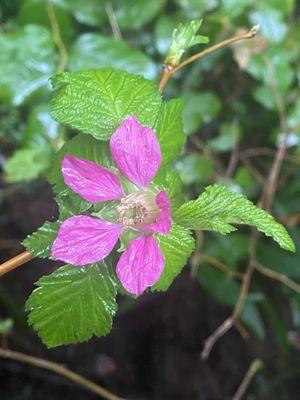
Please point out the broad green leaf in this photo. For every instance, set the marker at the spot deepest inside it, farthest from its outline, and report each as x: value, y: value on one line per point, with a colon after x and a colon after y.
x: 177, y: 247
x: 194, y: 168
x: 226, y: 291
x: 277, y: 261
x: 218, y: 208
x: 41, y: 130
x: 98, y: 101
x: 73, y: 304
x: 83, y: 146
x: 39, y: 243
x: 184, y: 37
x: 274, y: 65
x: 6, y: 326
x: 132, y: 14
x: 27, y: 61
x: 164, y: 28
x: 199, y: 108
x: 285, y: 7
x: 169, y: 180
x: 196, y: 8
x: 92, y: 50
x: 35, y: 12
x: 89, y: 12
x: 169, y: 129
x: 234, y: 7
x: 265, y: 96
x: 27, y: 164
x: 70, y: 204
x: 225, y: 141
x: 271, y: 22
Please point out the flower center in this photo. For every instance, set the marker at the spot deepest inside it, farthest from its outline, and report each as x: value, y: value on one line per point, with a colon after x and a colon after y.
x: 138, y: 209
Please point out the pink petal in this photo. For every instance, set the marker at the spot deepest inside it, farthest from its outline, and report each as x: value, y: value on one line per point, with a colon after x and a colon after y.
x: 136, y: 151
x: 141, y: 265
x: 91, y: 181
x: 84, y: 240
x: 163, y: 220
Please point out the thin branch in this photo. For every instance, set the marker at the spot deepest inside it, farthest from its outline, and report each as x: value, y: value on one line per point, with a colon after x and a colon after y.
x: 242, y: 330
x: 15, y: 262
x: 255, y: 366
x: 113, y: 21
x: 221, y: 266
x: 60, y: 370
x: 271, y: 184
x: 234, y: 157
x: 57, y: 37
x: 289, y: 220
x: 244, y: 36
x: 169, y: 70
x: 196, y: 257
x: 253, y: 170
x: 277, y: 276
x: 239, y: 305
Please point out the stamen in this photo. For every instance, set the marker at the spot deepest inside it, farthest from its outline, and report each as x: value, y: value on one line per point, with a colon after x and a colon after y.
x: 138, y: 209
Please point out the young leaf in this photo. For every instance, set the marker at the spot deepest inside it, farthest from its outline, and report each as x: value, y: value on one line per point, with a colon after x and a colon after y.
x: 177, y: 246
x: 73, y: 304
x: 98, y: 101
x: 92, y: 50
x: 169, y: 129
x: 39, y: 243
x: 184, y: 37
x: 217, y: 208
x: 27, y: 164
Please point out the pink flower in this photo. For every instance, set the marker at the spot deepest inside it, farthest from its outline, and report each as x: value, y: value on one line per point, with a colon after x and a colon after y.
x: 84, y: 240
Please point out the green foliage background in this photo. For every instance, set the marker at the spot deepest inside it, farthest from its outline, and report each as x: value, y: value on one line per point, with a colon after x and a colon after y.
x: 233, y: 102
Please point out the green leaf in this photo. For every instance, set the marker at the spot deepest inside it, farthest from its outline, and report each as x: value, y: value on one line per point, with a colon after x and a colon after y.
x: 70, y: 204
x: 225, y: 141
x: 234, y: 7
x: 276, y: 59
x: 199, y: 108
x: 6, y: 326
x: 92, y: 50
x: 27, y: 164
x: 194, y: 168
x: 217, y: 208
x: 80, y: 146
x: 73, y: 304
x: 132, y: 14
x: 196, y: 8
x: 169, y: 129
x: 41, y: 130
x: 271, y: 22
x: 98, y: 101
x: 184, y: 37
x: 35, y: 12
x: 89, y: 12
x: 39, y: 243
x: 164, y: 28
x: 176, y: 246
x: 27, y: 61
